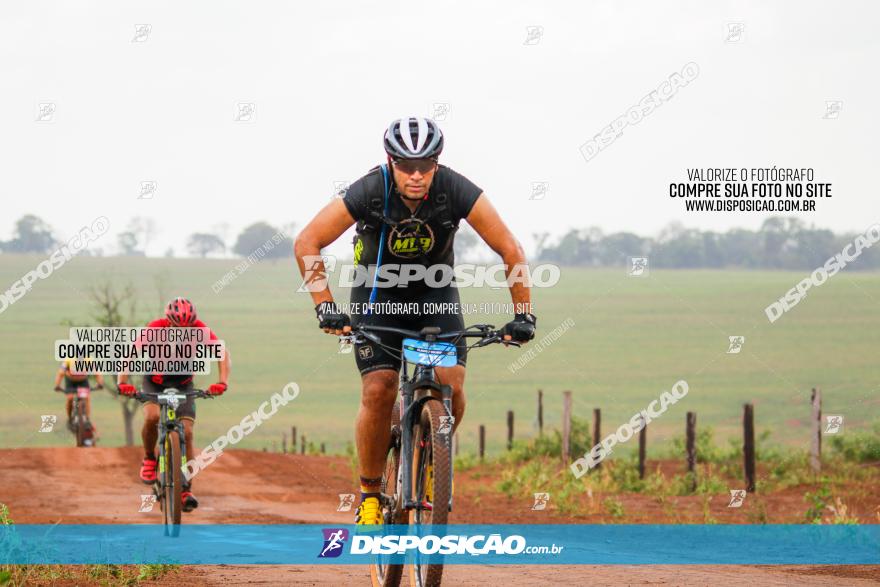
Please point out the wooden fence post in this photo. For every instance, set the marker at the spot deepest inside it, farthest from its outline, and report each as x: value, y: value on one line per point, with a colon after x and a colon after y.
x: 284, y: 442
x: 509, y: 429
x: 691, y: 437
x: 566, y: 427
x: 540, y: 413
x: 597, y: 431
x: 323, y: 449
x: 293, y: 439
x: 643, y: 445
x: 482, y: 441
x: 302, y: 444
x: 749, y: 446
x: 816, y: 431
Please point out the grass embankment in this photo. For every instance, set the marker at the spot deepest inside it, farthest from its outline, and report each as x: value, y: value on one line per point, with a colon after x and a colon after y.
x: 39, y: 574
x: 786, y: 485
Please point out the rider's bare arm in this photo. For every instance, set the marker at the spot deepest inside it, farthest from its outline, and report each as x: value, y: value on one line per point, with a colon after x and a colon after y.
x: 225, y: 363
x: 327, y: 226
x: 488, y: 224
x: 99, y: 378
x: 59, y: 376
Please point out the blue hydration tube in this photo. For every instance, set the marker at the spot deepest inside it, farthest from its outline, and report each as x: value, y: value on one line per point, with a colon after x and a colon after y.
x: 381, y: 244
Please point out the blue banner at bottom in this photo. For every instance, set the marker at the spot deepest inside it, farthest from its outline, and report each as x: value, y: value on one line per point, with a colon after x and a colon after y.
x: 453, y: 544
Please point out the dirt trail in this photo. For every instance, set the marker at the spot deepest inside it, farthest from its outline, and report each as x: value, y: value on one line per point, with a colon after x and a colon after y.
x: 47, y: 486
x: 43, y: 486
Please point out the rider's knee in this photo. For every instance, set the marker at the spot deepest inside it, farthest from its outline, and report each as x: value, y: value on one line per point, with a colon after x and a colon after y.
x: 379, y: 390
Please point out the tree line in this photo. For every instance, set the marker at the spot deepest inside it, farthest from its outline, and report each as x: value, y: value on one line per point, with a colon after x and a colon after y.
x: 780, y: 243
x: 33, y: 235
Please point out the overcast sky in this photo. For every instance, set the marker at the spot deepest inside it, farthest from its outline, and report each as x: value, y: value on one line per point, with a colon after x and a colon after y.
x: 326, y: 78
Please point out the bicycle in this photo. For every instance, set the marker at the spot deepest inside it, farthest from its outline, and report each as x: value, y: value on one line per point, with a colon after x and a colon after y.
x: 168, y: 486
x: 421, y: 435
x: 79, y: 422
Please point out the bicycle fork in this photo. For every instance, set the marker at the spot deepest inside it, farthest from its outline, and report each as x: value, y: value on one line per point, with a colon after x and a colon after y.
x: 447, y: 438
x: 164, y: 427
x: 410, y: 412
x: 406, y: 446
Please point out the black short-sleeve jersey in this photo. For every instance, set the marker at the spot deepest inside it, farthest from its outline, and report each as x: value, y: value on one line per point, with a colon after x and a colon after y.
x: 424, y: 237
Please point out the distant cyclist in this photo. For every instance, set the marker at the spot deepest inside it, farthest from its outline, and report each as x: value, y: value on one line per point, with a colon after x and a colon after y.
x: 407, y: 214
x: 180, y: 313
x: 72, y: 380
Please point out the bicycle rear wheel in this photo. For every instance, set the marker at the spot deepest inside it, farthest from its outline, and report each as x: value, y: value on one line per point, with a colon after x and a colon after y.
x: 430, y: 448
x: 171, y: 495
x: 386, y: 575
x: 80, y: 422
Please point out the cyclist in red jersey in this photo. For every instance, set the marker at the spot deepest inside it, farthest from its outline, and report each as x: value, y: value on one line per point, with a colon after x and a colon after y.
x: 180, y: 313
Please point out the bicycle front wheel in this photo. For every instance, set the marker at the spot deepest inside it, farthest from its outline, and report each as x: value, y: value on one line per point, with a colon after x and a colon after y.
x: 80, y: 422
x: 381, y: 573
x: 432, y: 483
x: 173, y: 488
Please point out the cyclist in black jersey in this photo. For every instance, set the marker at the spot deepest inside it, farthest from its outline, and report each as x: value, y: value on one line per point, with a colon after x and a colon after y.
x: 407, y: 213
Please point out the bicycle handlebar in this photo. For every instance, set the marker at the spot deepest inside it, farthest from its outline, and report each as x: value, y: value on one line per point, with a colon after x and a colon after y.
x: 484, y: 331
x: 197, y: 393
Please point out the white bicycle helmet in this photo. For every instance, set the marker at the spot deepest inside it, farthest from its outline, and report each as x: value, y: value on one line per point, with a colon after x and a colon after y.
x: 413, y: 138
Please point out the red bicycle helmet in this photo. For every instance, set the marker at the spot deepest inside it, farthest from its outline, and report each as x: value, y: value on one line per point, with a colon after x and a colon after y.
x: 180, y: 312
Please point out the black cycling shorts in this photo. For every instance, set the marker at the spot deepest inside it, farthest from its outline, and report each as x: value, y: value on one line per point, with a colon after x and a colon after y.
x: 411, y: 313
x: 186, y: 410
x: 70, y: 385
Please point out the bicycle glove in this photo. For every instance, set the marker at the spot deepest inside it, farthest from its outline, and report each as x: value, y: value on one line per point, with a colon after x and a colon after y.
x: 127, y: 389
x: 330, y: 316
x: 522, y: 328
x: 217, y: 388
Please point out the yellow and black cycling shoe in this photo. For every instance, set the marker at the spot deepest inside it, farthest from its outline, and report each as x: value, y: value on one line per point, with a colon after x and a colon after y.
x: 369, y: 513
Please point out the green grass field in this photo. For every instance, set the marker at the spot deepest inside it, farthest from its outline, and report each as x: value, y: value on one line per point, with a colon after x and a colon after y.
x: 633, y: 338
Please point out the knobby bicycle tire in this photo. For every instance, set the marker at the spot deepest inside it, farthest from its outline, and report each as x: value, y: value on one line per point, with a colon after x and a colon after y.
x: 80, y: 422
x: 173, y: 487
x: 435, y: 451
x: 385, y: 575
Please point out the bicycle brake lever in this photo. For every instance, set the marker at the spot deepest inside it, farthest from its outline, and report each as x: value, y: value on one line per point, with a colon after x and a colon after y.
x: 487, y: 341
x: 369, y: 336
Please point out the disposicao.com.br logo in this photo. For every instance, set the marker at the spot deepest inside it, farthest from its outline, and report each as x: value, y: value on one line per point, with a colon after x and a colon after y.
x: 431, y: 544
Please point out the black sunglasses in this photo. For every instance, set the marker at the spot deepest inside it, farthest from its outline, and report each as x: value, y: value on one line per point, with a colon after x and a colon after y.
x: 410, y: 166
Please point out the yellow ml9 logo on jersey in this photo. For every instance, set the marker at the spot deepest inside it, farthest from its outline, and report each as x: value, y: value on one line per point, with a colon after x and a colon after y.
x: 411, y: 238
